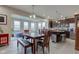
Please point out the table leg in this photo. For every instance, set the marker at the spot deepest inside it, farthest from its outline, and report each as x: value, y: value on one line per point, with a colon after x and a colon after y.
x: 34, y: 46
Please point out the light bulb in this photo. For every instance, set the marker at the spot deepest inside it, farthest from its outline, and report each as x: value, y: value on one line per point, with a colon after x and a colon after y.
x: 61, y: 16
x: 30, y: 16
x: 56, y: 21
x: 59, y: 22
x: 75, y: 13
x: 34, y: 16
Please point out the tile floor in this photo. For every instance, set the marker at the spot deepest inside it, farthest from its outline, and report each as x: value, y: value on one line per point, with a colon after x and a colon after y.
x: 55, y: 48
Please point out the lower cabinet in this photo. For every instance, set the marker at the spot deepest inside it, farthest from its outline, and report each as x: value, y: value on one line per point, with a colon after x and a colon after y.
x: 4, y: 39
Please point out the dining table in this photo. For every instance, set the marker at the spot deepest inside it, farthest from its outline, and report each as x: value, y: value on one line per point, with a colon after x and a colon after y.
x: 34, y: 37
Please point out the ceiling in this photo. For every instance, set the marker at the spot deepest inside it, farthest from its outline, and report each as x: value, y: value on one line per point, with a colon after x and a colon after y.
x: 50, y: 11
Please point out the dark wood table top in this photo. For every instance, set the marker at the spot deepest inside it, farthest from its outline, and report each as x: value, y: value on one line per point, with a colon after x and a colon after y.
x: 34, y: 35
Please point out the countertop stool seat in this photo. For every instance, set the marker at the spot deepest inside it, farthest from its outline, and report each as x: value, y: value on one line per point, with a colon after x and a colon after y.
x: 26, y: 44
x: 63, y: 37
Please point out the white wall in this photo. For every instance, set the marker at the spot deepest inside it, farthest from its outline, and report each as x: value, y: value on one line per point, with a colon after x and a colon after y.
x: 9, y: 11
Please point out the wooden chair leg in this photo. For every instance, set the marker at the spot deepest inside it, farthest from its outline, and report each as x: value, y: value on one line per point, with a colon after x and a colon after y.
x: 43, y: 49
x: 25, y: 49
x: 18, y: 46
x: 17, y: 43
x: 48, y: 49
x: 32, y: 49
x: 37, y: 48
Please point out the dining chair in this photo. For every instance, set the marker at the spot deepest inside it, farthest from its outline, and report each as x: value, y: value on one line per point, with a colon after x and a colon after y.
x: 27, y: 32
x: 45, y: 42
x: 63, y: 37
x: 26, y: 44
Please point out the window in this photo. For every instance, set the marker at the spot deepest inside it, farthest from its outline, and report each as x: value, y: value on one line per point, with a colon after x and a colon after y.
x: 16, y: 25
x: 43, y: 24
x: 33, y: 26
x: 25, y: 25
x: 39, y: 25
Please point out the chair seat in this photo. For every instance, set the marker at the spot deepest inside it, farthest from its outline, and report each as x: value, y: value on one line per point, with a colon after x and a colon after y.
x: 40, y: 43
x: 25, y: 42
x: 63, y: 35
x: 41, y: 38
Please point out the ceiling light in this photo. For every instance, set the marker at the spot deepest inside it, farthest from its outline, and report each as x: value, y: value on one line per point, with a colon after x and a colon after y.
x: 56, y: 21
x: 59, y: 22
x: 75, y: 13
x: 33, y: 16
x: 64, y: 18
x: 30, y: 16
x: 61, y: 16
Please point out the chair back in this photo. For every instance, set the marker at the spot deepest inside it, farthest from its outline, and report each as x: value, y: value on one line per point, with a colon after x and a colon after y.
x: 26, y: 31
x: 46, y: 38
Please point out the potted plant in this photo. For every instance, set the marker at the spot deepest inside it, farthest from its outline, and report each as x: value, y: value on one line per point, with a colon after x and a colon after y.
x: 12, y: 34
x: 1, y: 31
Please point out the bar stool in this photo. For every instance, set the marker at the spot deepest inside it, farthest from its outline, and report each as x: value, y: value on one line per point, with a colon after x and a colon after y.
x: 53, y: 37
x: 63, y: 37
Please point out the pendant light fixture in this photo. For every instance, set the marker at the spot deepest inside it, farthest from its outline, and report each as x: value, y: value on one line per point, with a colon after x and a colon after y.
x: 33, y: 16
x: 59, y: 16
